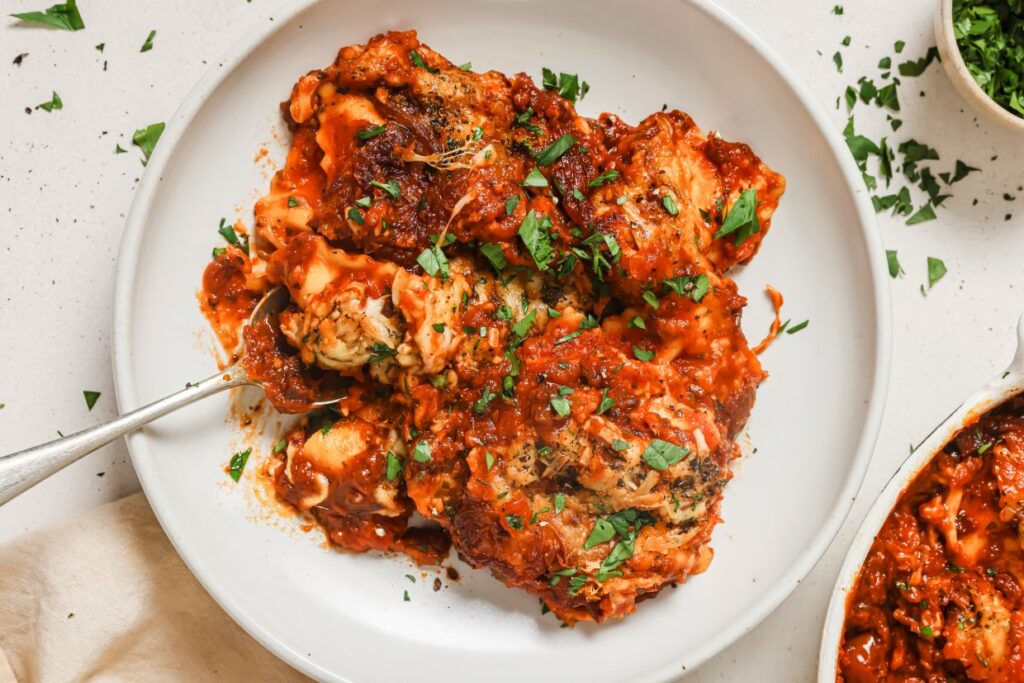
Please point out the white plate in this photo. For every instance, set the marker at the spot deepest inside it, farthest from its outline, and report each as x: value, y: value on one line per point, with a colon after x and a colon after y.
x: 342, y: 617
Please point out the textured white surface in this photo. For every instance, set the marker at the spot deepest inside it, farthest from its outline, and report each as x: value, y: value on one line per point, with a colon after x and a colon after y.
x: 64, y: 194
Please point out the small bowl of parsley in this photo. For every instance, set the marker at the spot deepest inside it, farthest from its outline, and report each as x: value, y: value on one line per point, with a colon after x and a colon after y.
x: 981, y: 43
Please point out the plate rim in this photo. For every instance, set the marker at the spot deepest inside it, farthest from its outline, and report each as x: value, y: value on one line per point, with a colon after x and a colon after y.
x: 124, y: 379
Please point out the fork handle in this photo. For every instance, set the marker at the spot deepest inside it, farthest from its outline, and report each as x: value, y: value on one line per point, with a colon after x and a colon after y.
x: 23, y: 470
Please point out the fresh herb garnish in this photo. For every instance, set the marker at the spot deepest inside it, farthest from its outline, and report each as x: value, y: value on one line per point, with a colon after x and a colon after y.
x: 54, y: 103
x: 421, y: 453
x: 555, y: 150
x: 936, y: 271
x: 390, y: 188
x: 63, y: 16
x: 485, y: 398
x: 796, y: 328
x: 522, y: 328
x: 895, y: 269
x: 742, y: 218
x: 534, y: 179
x: 380, y: 352
x: 372, y: 132
x: 559, y: 502
x: 642, y: 355
x: 417, y: 60
x: 693, y: 287
x: 434, y: 262
x: 280, y: 446
x: 606, y: 402
x: 90, y: 398
x: 606, y: 177
x: 495, y: 255
x: 916, y: 67
x: 661, y: 455
x: 227, y: 231
x: 535, y: 232
x: 148, y: 45
x: 669, y: 202
x: 146, y: 139
x: 237, y: 463
x: 567, y: 85
x: 514, y: 522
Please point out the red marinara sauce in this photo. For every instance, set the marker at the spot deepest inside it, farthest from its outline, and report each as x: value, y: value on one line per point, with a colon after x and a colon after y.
x: 939, y: 596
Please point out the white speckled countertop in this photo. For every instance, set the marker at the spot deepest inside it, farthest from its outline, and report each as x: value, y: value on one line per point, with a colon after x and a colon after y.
x: 64, y: 195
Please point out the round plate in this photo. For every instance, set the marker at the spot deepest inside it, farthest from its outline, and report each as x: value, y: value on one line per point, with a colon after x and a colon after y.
x: 343, y: 617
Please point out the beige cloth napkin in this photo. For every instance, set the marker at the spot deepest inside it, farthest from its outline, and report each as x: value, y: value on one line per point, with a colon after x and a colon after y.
x: 105, y: 597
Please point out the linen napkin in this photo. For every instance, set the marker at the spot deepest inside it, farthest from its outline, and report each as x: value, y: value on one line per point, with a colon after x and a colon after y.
x: 104, y: 597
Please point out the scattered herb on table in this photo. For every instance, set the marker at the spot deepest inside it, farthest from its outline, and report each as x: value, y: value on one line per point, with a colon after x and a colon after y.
x: 91, y: 398
x: 64, y: 16
x: 990, y: 35
x: 148, y: 45
x: 54, y: 103
x: 237, y: 463
x: 146, y: 139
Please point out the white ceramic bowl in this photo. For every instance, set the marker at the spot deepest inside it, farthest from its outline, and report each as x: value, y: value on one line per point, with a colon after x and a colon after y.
x: 953, y: 64
x: 341, y: 617
x: 1004, y: 387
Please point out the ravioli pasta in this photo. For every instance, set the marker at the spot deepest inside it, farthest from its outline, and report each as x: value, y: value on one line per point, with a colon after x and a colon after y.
x: 531, y: 309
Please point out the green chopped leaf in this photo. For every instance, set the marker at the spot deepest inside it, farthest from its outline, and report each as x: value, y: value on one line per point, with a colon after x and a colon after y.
x: 371, y: 132
x: 885, y: 63
x: 421, y: 453
x: 661, y: 455
x: 485, y: 399
x: 837, y: 10
x: 693, y: 287
x: 887, y: 97
x: 63, y: 16
x: 434, y: 263
x: 936, y: 271
x: 390, y: 188
x: 606, y: 402
x: 895, y: 269
x: 495, y: 255
x: 54, y: 103
x: 602, y: 532
x: 535, y: 232
x: 562, y: 405
x: 148, y: 44
x: 535, y: 179
x: 514, y: 522
x: 280, y: 446
x: 119, y: 150
x: 522, y: 328
x: 605, y: 177
x: 292, y: 202
x: 916, y: 67
x: 651, y: 298
x: 146, y: 139
x: 926, y: 631
x: 559, y: 502
x: 793, y: 329
x: 898, y: 46
x: 851, y: 97
x: 961, y: 171
x: 567, y: 85
x: 468, y: 66
x: 237, y: 463
x: 838, y: 60
x: 555, y: 150
x: 227, y: 231
x: 417, y: 60
x: 925, y: 213
x: 742, y: 218
x: 217, y: 251
x: 642, y: 355
x: 669, y: 202
x: 637, y: 322
x: 90, y: 398
x: 394, y: 466
x: 380, y: 352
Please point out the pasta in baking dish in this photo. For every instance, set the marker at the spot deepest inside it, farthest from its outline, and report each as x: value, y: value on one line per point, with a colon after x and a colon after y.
x: 531, y: 307
x: 939, y: 597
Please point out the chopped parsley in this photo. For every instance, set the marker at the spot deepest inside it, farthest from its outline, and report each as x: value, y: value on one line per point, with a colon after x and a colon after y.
x: 559, y: 502
x: 534, y: 179
x: 64, y: 16
x: 485, y: 398
x: 237, y: 463
x: 642, y: 355
x: 489, y: 459
x: 292, y: 202
x: 522, y: 328
x: 990, y: 36
x: 380, y: 352
x: 495, y: 255
x: 895, y: 269
x: 555, y: 150
x: 511, y: 203
x: 148, y: 45
x: 367, y: 133
x: 535, y: 232
x: 514, y: 522
x: 561, y: 405
x: 417, y: 60
x: 326, y: 426
x: 567, y: 85
x: 468, y: 66
x: 434, y: 262
x: 936, y: 271
x: 421, y: 453
x: 146, y: 139
x: 91, y: 398
x: 637, y: 322
x: 661, y: 455
x: 390, y: 188
x: 606, y: 402
x: 926, y: 631
x: 651, y: 298
x: 54, y: 103
x: 523, y: 121
x: 606, y: 177
x: 280, y: 446
x: 796, y: 328
x: 669, y: 202
x: 693, y: 287
x: 742, y: 218
x: 916, y: 67
x: 227, y: 231
x: 394, y: 466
